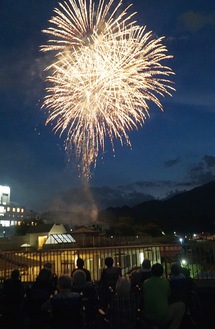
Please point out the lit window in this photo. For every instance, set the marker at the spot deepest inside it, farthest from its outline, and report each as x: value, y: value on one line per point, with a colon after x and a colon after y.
x: 5, y: 223
x: 18, y: 209
x: 2, y: 210
x: 8, y: 208
x: 14, y: 209
x: 22, y: 210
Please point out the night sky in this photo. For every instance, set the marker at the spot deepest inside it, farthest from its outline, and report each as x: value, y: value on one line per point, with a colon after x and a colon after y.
x: 173, y: 151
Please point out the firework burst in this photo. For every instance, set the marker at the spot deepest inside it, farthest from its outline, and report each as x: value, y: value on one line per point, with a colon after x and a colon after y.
x: 105, y: 71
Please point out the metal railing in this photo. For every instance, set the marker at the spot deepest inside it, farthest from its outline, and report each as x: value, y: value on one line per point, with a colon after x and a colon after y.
x: 198, y: 258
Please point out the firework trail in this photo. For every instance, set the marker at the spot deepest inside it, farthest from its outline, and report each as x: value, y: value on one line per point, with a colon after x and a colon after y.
x: 105, y: 71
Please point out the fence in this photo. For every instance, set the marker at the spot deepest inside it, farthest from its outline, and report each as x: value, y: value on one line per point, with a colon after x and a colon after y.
x: 199, y: 258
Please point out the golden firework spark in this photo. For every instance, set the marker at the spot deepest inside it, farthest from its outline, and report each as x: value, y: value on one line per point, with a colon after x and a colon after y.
x: 105, y: 71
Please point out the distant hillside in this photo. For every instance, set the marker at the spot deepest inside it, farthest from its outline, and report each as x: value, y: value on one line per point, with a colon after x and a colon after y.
x: 189, y: 211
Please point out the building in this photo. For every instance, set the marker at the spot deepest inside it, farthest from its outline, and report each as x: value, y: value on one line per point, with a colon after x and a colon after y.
x: 46, y: 235
x: 4, y: 195
x: 11, y: 214
x: 42, y: 236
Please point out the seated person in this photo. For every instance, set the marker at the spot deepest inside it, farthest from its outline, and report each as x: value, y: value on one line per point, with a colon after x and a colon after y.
x: 156, y: 296
x: 178, y: 284
x: 87, y: 291
x: 123, y: 308
x: 66, y: 307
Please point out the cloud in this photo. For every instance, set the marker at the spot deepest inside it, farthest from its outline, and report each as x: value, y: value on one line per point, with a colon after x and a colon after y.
x: 203, y: 171
x: 171, y: 163
x: 209, y: 160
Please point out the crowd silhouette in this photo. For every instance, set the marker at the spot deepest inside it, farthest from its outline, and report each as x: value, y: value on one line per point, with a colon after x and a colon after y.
x: 144, y: 300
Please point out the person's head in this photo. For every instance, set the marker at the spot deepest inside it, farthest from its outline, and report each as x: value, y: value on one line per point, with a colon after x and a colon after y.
x: 64, y: 283
x: 48, y: 266
x: 109, y: 261
x: 186, y: 272
x: 15, y: 274
x: 79, y: 277
x: 175, y: 268
x: 157, y: 270
x: 44, y: 275
x: 80, y: 263
x: 123, y: 287
x: 146, y: 264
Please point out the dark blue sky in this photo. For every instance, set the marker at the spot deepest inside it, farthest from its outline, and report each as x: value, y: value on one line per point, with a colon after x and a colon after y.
x: 174, y: 150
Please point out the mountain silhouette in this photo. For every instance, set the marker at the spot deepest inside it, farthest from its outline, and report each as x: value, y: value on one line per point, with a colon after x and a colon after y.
x: 190, y: 211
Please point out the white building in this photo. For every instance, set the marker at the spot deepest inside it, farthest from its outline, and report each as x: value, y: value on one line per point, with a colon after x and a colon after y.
x: 4, y: 195
x: 10, y: 213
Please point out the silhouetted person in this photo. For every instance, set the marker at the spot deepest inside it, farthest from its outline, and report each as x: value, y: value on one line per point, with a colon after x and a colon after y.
x: 88, y: 292
x: 13, y: 302
x: 107, y: 283
x: 140, y: 275
x: 52, y: 277
x: 178, y: 284
x: 38, y: 294
x: 80, y: 266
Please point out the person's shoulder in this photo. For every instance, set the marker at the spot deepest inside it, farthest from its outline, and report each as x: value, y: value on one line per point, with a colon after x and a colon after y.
x: 90, y: 284
x: 69, y: 295
x: 74, y: 270
x: 164, y: 280
x: 115, y: 269
x: 147, y: 282
x: 86, y: 271
x: 12, y: 283
x: 177, y: 277
x: 166, y: 283
x: 144, y: 275
x: 7, y: 282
